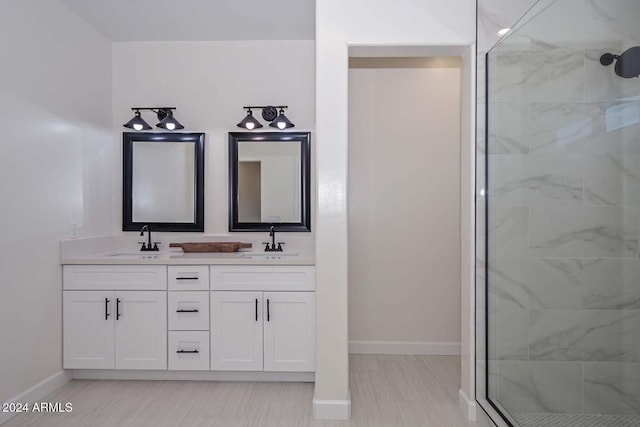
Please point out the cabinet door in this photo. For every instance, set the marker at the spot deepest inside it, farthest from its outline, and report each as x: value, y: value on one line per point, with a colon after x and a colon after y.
x: 289, y: 331
x: 236, y: 331
x: 141, y: 330
x: 88, y: 319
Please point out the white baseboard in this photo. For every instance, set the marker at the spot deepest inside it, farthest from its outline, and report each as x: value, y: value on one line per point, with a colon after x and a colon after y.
x: 402, y: 347
x: 467, y: 406
x: 106, y: 374
x: 37, y: 392
x: 332, y: 409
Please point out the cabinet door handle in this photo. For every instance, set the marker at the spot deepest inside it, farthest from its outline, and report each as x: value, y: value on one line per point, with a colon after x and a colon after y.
x: 186, y: 278
x: 106, y: 309
x: 268, y: 314
x: 187, y: 351
x: 117, y: 308
x: 195, y: 310
x: 256, y: 309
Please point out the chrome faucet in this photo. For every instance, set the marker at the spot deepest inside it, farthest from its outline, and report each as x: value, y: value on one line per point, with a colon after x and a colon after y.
x: 147, y: 247
x: 272, y: 247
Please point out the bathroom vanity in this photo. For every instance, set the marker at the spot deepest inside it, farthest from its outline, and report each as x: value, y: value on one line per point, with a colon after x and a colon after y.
x: 229, y: 313
x: 172, y: 315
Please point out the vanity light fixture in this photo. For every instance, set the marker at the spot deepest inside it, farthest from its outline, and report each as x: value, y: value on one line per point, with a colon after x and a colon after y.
x: 164, y: 114
x: 137, y: 123
x: 270, y: 114
x: 281, y: 122
x: 249, y: 122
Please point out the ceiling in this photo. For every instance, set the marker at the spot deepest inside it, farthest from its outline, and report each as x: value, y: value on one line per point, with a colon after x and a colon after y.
x: 199, y: 20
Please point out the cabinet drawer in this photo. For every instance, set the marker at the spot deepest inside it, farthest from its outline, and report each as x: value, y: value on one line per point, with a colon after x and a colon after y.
x: 188, y: 311
x: 188, y: 277
x: 189, y: 350
x: 115, y: 277
x: 262, y: 278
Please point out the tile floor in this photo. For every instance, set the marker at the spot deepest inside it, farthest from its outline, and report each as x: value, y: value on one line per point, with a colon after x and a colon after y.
x: 386, y: 391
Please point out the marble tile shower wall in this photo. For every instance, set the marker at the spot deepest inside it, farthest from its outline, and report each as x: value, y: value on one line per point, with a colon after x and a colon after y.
x: 564, y: 221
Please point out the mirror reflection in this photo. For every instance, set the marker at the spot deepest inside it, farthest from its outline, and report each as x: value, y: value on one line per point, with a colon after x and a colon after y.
x: 269, y: 181
x: 163, y: 181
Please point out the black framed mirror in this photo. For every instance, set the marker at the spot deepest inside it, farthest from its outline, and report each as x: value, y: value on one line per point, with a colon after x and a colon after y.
x: 269, y: 181
x: 163, y: 181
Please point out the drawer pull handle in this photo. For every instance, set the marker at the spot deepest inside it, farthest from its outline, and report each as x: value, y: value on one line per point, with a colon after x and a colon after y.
x: 106, y: 309
x: 187, y: 278
x: 118, y: 309
x: 195, y: 310
x: 268, y: 311
x: 188, y: 351
x: 256, y: 309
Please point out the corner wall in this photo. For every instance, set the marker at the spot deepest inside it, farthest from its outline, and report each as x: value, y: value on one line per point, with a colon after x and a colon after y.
x: 55, y: 169
x: 431, y: 24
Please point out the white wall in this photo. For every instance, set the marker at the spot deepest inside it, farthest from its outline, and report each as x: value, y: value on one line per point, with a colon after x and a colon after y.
x: 429, y: 23
x: 55, y: 169
x: 404, y: 206
x: 209, y: 82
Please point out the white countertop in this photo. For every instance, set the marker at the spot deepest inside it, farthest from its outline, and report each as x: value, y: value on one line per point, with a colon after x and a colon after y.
x: 123, y: 250
x: 193, y: 258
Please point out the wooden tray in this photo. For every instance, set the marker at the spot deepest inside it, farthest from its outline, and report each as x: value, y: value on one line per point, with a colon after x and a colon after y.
x: 210, y: 246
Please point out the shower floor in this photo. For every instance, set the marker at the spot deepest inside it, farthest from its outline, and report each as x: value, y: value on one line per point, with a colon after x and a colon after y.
x: 576, y: 420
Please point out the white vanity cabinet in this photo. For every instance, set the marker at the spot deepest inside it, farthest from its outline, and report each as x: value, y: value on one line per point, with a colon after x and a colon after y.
x: 289, y: 331
x: 258, y: 318
x: 236, y: 331
x: 114, y: 317
x: 265, y: 325
x: 188, y: 312
x: 89, y: 330
x: 141, y: 330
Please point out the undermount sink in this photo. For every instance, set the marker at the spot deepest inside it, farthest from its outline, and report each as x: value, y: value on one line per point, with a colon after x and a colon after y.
x: 134, y: 255
x: 241, y: 255
x: 266, y: 254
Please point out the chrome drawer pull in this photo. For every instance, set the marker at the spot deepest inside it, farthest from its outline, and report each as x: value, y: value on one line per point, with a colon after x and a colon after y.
x: 187, y: 351
x: 195, y: 310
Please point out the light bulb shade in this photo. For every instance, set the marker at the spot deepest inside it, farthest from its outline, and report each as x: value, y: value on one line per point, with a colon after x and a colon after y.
x: 281, y: 122
x: 168, y: 122
x: 137, y: 123
x: 249, y: 122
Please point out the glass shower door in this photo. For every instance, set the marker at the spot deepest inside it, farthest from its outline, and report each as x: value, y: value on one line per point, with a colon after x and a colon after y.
x: 561, y: 299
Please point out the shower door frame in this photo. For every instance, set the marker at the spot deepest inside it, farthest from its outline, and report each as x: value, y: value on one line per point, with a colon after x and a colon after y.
x: 497, y: 415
